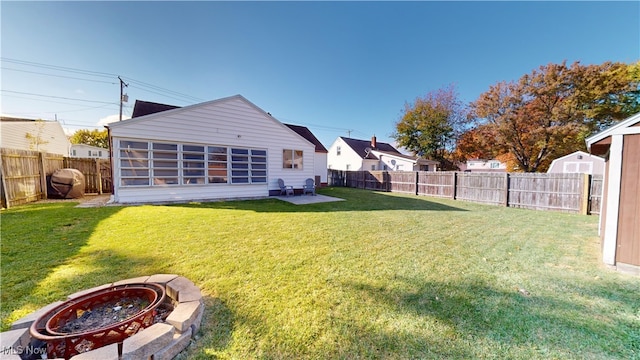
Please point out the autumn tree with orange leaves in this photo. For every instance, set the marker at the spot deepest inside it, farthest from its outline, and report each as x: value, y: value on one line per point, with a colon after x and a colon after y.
x: 549, y: 112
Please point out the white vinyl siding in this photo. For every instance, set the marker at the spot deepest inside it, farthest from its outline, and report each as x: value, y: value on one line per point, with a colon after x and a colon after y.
x: 230, y: 123
x: 348, y: 159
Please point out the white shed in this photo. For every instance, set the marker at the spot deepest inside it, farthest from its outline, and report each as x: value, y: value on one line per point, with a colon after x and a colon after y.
x: 577, y: 162
x: 222, y: 149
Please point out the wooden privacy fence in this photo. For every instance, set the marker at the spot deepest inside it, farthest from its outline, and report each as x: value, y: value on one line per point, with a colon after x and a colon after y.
x: 24, y: 174
x: 576, y: 193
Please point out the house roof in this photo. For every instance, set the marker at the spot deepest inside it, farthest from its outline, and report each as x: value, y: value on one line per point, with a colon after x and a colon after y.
x: 363, y: 147
x: 307, y: 134
x: 147, y: 109
x: 30, y: 134
x: 595, y: 157
x: 142, y: 108
x: 599, y: 143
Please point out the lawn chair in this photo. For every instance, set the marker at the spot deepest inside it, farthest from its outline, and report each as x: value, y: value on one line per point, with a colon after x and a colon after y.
x: 309, y: 187
x: 284, y: 189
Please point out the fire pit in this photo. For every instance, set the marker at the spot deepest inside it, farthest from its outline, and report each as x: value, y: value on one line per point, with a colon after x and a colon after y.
x: 99, y: 318
x: 84, y: 328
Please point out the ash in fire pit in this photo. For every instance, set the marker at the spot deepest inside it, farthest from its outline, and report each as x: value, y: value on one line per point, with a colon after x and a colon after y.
x: 107, y: 314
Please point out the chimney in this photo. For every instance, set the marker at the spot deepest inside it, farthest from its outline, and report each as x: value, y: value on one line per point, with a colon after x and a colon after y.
x: 373, y: 142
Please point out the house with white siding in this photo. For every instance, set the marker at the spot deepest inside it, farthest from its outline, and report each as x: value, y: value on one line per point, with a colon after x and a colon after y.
x: 34, y: 135
x: 349, y: 154
x: 222, y: 149
x: 482, y: 165
x: 88, y: 151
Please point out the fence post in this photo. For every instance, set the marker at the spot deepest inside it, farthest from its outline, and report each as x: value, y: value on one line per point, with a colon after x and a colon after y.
x: 417, y: 181
x: 43, y: 176
x: 506, y: 189
x: 3, y: 190
x: 586, y: 187
x: 98, y: 176
x: 454, y: 174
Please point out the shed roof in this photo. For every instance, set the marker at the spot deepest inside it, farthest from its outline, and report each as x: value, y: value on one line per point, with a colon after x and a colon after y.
x: 598, y: 144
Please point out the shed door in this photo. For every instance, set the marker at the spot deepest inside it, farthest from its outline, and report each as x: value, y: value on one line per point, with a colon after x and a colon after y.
x: 628, y: 250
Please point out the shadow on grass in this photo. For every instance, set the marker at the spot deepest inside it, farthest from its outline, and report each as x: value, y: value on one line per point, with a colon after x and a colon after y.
x: 36, y: 240
x: 476, y: 311
x: 356, y: 200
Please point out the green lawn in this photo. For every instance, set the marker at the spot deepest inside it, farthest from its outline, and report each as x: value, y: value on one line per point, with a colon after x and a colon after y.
x: 377, y: 276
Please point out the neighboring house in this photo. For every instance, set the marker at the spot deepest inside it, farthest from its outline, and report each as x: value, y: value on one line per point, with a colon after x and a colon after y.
x: 354, y: 155
x: 620, y: 214
x: 35, y: 135
x: 222, y: 149
x: 577, y: 162
x: 88, y: 151
x: 320, y: 155
x: 479, y: 165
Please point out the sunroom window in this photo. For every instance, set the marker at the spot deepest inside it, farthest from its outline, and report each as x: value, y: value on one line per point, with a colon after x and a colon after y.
x: 159, y: 164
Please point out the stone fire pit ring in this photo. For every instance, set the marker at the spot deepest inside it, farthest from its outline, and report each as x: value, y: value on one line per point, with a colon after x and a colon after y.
x: 160, y: 341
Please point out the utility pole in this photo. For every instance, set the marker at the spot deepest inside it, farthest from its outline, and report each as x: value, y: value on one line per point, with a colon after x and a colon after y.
x: 123, y: 96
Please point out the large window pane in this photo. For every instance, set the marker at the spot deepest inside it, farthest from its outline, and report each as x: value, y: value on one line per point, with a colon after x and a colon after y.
x: 193, y: 148
x: 125, y: 144
x: 134, y: 154
x: 134, y: 182
x: 297, y: 159
x: 168, y: 147
x: 132, y: 163
x: 134, y: 172
x: 165, y: 164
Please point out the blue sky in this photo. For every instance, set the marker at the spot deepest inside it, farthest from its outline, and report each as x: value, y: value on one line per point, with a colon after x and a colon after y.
x: 338, y: 68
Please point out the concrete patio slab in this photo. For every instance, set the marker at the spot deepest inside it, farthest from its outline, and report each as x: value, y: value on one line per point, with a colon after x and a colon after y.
x: 308, y: 199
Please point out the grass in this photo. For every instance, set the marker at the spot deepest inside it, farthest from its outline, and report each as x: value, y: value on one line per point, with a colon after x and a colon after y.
x: 377, y: 276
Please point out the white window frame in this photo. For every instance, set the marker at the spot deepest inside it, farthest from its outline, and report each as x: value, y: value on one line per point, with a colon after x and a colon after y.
x: 297, y: 159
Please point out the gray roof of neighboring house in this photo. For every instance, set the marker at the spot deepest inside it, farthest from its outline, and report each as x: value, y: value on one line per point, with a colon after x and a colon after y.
x: 361, y: 146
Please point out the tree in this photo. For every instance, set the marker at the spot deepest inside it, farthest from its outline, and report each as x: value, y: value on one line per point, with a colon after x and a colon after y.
x: 99, y: 138
x: 36, y: 140
x: 429, y: 126
x: 549, y: 112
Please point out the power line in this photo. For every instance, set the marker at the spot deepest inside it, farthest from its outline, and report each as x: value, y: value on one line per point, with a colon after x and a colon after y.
x: 60, y: 68
x: 54, y: 102
x: 60, y: 76
x: 154, y: 92
x: 58, y: 97
x: 142, y: 85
